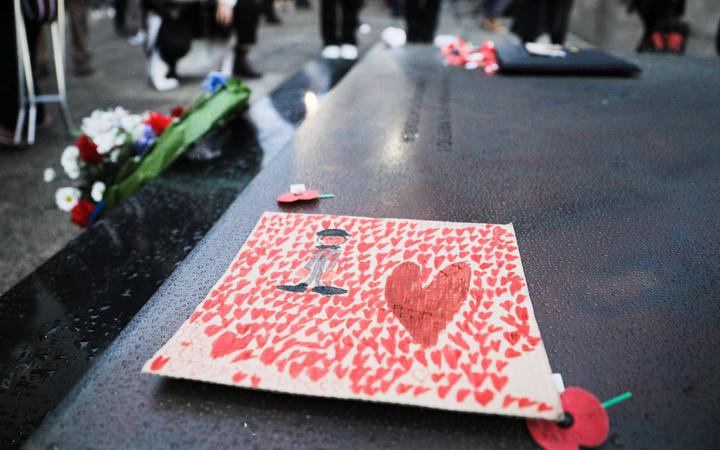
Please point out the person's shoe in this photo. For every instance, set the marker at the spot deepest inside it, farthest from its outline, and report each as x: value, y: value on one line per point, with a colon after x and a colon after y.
x: 242, y: 68
x: 329, y: 290
x: 494, y: 25
x: 138, y: 39
x: 348, y: 51
x: 331, y: 52
x: 302, y: 287
x: 158, y: 74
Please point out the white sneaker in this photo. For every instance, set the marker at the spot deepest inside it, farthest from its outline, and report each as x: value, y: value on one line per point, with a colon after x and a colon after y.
x: 157, y: 71
x: 331, y: 52
x: 138, y: 39
x: 348, y: 51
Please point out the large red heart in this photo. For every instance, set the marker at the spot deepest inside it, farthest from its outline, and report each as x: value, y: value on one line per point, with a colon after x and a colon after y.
x: 426, y: 312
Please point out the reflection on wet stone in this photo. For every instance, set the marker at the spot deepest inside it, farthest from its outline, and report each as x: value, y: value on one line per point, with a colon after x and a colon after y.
x: 411, y: 131
x: 444, y: 132
x: 62, y: 316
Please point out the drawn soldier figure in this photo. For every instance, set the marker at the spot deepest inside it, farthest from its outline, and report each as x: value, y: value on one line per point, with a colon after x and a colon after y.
x: 319, y: 271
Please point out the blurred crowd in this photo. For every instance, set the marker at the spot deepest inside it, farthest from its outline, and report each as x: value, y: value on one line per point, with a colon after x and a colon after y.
x: 169, y: 30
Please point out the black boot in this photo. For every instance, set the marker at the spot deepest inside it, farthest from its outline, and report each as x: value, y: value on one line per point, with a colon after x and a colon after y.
x: 302, y: 287
x: 329, y: 290
x: 242, y: 67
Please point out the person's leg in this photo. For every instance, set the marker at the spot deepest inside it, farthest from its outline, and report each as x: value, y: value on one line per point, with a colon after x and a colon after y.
x: 246, y: 15
x: 430, y: 20
x: 528, y: 19
x: 169, y: 39
x: 268, y: 7
x: 120, y: 14
x: 558, y: 16
x: 8, y: 74
x: 492, y: 10
x: 412, y: 19
x: 350, y: 11
x: 78, y: 12
x: 9, y: 85
x: 328, y: 22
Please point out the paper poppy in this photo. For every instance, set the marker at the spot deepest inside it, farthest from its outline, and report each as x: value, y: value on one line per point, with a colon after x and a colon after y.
x: 289, y: 197
x: 586, y: 423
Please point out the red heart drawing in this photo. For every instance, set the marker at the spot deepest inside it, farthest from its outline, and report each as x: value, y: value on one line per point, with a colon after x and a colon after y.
x: 425, y: 312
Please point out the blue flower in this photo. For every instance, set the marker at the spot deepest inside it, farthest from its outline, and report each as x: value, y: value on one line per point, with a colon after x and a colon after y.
x: 145, y: 141
x: 214, y: 81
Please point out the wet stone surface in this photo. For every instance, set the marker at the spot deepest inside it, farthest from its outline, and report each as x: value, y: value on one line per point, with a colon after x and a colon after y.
x: 611, y: 185
x: 56, y: 321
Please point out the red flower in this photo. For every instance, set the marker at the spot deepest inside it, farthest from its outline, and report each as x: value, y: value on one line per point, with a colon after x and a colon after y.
x: 80, y: 214
x: 88, y: 150
x: 177, y: 111
x: 158, y: 122
x: 586, y: 423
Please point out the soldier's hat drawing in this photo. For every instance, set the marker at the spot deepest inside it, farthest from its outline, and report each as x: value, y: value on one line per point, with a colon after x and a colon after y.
x: 333, y: 232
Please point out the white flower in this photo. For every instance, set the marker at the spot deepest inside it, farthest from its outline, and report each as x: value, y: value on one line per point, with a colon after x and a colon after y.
x: 66, y: 198
x: 108, y: 140
x: 134, y: 125
x: 115, y: 155
x: 69, y: 155
x: 98, y: 191
x: 49, y: 174
x: 130, y: 121
x: 119, y: 113
x: 73, y: 172
x: 69, y: 161
x: 99, y: 122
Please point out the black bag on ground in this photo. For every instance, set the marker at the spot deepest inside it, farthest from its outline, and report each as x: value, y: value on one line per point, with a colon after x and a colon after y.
x: 514, y: 59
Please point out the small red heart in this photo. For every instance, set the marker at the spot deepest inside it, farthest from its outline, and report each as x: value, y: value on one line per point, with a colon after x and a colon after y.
x: 498, y: 381
x: 462, y: 394
x: 238, y: 377
x: 484, y: 397
x: 159, y: 362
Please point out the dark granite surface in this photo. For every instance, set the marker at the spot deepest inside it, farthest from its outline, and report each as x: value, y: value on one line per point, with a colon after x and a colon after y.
x: 612, y: 185
x: 54, y: 323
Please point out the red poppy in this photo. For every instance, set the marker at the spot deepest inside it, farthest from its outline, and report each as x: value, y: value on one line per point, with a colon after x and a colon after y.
x: 586, y: 423
x: 88, y: 150
x: 80, y: 214
x: 289, y: 197
x: 158, y: 122
x: 177, y: 111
